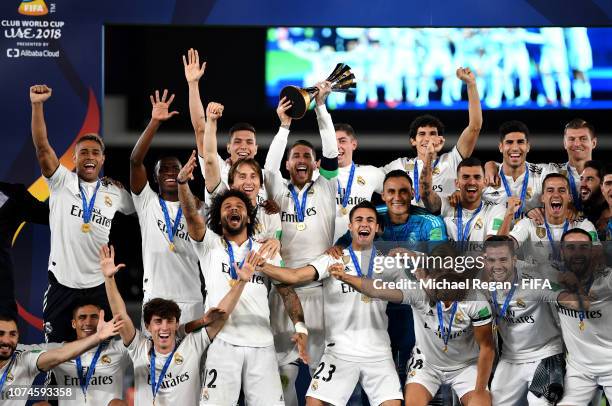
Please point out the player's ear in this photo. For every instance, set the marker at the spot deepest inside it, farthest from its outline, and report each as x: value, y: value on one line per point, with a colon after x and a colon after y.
x: 73, y: 322
x: 228, y: 148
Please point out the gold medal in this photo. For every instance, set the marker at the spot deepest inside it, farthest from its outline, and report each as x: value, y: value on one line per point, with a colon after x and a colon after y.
x: 343, y: 210
x: 366, y: 299
x: 172, y: 247
x: 445, y: 349
x: 86, y: 227
x: 301, y: 226
x: 232, y: 282
x: 581, y: 325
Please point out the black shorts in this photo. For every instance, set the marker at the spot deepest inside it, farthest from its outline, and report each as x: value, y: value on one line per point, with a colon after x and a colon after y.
x: 58, y: 304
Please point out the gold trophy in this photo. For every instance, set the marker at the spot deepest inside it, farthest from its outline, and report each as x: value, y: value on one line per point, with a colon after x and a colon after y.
x: 341, y: 79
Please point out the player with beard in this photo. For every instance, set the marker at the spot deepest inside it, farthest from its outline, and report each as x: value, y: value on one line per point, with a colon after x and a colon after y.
x: 244, y: 175
x: 586, y: 332
x: 308, y: 210
x: 82, y: 207
x: 592, y: 200
x: 472, y: 218
x: 166, y: 368
x: 518, y: 177
x: 19, y: 367
x: 357, y: 344
x: 428, y: 128
x: 243, y: 354
x: 169, y: 261
x: 242, y: 142
x: 454, y: 341
x: 604, y: 224
x: 541, y: 240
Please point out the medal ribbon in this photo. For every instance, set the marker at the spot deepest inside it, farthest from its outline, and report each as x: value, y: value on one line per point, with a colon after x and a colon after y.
x: 6, y: 371
x: 84, y: 380
x: 170, y: 229
x: 300, y: 210
x: 156, y: 385
x: 88, y: 207
x: 446, y: 336
x: 230, y: 253
x: 356, y: 262
x: 573, y: 188
x: 551, y: 239
x: 502, y: 312
x: 347, y: 192
x: 523, y: 190
x: 415, y: 178
x: 463, y: 233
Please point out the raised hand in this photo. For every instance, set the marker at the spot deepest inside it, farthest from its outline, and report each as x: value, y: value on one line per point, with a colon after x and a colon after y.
x: 39, y: 93
x: 271, y: 207
x: 214, y: 111
x: 536, y: 214
x: 431, y: 148
x: 284, y: 104
x: 335, y: 251
x: 466, y: 76
x: 186, y: 173
x: 454, y: 198
x: 213, y: 314
x: 252, y: 261
x: 106, y: 330
x: 193, y: 69
x: 107, y: 261
x: 438, y: 143
x: 492, y: 174
x: 301, y: 340
x: 161, y: 106
x: 269, y: 248
x: 324, y: 91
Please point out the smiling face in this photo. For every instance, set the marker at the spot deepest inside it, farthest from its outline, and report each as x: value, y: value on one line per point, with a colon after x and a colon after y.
x: 163, y: 331
x: 579, y: 143
x: 301, y: 164
x: 499, y: 263
x: 234, y: 216
x: 589, y: 184
x: 242, y: 145
x: 606, y: 189
x: 166, y: 171
x: 9, y: 337
x: 88, y: 159
x: 422, y: 138
x: 514, y: 149
x: 397, y: 195
x: 576, y: 252
x: 346, y: 145
x: 363, y: 227
x: 85, y: 320
x: 556, y: 197
x: 247, y: 180
x: 470, y: 182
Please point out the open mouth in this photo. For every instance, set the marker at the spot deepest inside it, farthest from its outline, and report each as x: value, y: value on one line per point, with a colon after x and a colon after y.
x: 164, y: 336
x: 556, y: 205
x: 88, y: 330
x: 585, y: 192
x: 499, y: 274
x: 6, y: 348
x: 234, y: 220
x: 471, y: 190
x: 89, y: 167
x: 170, y: 181
x: 515, y: 155
x: 248, y: 189
x: 302, y: 169
x: 242, y: 154
x: 364, y: 233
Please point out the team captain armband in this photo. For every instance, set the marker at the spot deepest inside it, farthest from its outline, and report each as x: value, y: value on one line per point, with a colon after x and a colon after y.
x: 329, y: 167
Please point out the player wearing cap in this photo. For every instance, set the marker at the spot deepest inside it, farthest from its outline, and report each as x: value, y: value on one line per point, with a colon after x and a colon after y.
x: 426, y: 128
x: 82, y: 207
x: 357, y: 344
x: 169, y: 261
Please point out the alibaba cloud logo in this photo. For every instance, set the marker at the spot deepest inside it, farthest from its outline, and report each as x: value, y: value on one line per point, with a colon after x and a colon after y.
x: 33, y: 8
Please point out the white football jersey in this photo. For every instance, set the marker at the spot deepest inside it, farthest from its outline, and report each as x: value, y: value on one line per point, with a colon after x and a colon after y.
x: 462, y: 347
x: 366, y: 180
x: 74, y: 253
x: 356, y: 330
x: 106, y: 382
x: 181, y: 384
x: 532, y: 194
x: 590, y: 348
x: 168, y: 274
x: 444, y: 173
x: 487, y: 222
x: 533, y: 238
x: 21, y: 372
x: 249, y: 323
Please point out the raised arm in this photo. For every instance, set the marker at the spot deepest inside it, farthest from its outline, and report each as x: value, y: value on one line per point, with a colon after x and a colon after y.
x: 366, y: 286
x: 211, y: 164
x: 47, y: 159
x: 117, y: 305
x: 196, y: 224
x: 159, y: 113
x: 274, y: 158
x: 193, y: 72
x: 469, y: 136
x: 290, y: 276
x: 432, y: 201
x: 329, y: 160
x: 105, y: 330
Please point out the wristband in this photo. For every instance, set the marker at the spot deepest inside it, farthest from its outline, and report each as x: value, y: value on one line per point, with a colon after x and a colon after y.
x: 181, y: 183
x: 300, y: 327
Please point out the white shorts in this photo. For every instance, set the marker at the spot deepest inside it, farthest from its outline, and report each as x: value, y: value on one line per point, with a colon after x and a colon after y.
x: 462, y: 380
x: 229, y: 367
x: 579, y: 386
x: 510, y: 385
x: 189, y: 311
x: 283, y: 329
x: 334, y: 380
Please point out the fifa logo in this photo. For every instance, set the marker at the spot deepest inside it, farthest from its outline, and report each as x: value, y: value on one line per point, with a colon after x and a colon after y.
x: 33, y: 8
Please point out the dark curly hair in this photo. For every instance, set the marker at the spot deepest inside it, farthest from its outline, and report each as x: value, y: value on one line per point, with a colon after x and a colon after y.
x: 425, y: 121
x: 214, y: 215
x: 166, y: 309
